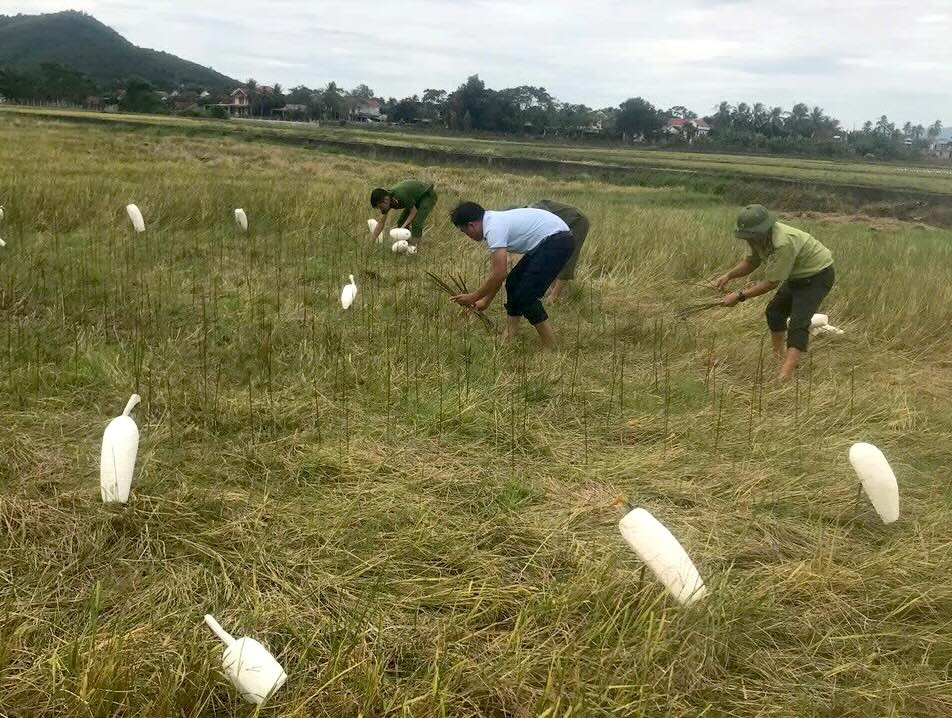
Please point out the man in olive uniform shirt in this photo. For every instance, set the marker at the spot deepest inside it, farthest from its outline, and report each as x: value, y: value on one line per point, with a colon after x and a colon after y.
x: 794, y: 261
x: 579, y: 225
x: 416, y: 200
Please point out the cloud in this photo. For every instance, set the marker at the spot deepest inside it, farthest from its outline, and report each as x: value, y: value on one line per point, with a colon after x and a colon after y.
x: 855, y: 58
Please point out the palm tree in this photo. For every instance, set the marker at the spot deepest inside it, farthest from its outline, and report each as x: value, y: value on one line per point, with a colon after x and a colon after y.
x: 935, y: 129
x: 760, y: 116
x: 907, y: 129
x: 252, y: 86
x: 817, y: 118
x: 917, y: 132
x: 884, y: 126
x: 775, y: 120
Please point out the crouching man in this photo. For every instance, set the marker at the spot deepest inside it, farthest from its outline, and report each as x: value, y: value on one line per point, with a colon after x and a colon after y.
x: 797, y: 263
x: 545, y: 243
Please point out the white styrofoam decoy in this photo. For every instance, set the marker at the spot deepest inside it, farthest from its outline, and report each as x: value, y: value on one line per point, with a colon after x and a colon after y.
x: 242, y: 219
x: 820, y: 324
x: 348, y: 293
x: 878, y: 480
x: 117, y: 460
x: 249, y: 666
x: 136, y: 216
x: 2, y: 243
x: 398, y: 233
x: 1, y: 212
x: 661, y: 551
x: 400, y: 246
x: 411, y: 250
x: 372, y: 225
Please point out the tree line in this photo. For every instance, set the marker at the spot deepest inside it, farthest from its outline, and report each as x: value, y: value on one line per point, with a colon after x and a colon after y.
x: 524, y: 110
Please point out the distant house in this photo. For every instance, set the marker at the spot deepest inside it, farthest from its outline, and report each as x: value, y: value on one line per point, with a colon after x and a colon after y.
x: 238, y: 103
x: 687, y: 128
x: 291, y: 111
x: 367, y: 111
x: 941, y: 149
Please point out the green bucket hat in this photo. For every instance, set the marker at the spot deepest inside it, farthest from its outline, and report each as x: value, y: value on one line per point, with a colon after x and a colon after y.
x: 754, y: 220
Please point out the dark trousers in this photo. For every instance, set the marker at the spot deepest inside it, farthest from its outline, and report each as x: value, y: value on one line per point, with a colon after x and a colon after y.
x: 798, y: 300
x: 533, y: 274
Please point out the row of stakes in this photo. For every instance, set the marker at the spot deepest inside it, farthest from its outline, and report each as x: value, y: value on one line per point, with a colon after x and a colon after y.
x: 256, y: 674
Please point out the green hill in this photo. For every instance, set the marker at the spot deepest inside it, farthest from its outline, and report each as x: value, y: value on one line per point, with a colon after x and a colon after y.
x: 82, y: 42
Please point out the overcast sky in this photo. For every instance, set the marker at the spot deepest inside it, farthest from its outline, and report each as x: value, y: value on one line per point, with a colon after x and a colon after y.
x: 857, y: 59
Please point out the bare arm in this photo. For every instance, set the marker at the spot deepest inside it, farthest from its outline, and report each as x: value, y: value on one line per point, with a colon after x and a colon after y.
x: 742, y: 269
x: 754, y: 290
x: 410, y: 216
x: 498, y: 268
x: 378, y: 230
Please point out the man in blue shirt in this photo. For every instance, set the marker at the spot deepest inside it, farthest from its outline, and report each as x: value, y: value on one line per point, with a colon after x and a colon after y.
x: 545, y: 243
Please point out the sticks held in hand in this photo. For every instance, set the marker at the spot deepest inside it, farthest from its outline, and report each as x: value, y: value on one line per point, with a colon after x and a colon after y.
x: 692, y: 309
x: 459, y: 287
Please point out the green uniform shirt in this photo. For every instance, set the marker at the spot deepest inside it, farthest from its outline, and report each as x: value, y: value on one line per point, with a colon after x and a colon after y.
x: 790, y: 253
x: 410, y: 192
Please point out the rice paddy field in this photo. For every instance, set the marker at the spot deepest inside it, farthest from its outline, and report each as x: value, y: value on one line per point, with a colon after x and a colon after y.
x: 415, y: 518
x: 933, y: 177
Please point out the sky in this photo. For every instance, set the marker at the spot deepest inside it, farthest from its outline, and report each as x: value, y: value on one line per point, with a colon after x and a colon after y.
x: 858, y: 59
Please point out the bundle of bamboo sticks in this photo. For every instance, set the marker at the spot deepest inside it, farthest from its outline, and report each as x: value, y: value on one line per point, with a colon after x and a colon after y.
x: 459, y: 287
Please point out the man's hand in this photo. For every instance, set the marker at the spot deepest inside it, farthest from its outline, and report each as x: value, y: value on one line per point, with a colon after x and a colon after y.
x: 721, y: 282
x: 481, y: 304
x: 731, y: 299
x: 465, y: 300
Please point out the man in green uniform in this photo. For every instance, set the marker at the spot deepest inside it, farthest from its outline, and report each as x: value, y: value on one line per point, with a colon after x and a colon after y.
x: 416, y: 200
x: 579, y: 225
x: 792, y: 260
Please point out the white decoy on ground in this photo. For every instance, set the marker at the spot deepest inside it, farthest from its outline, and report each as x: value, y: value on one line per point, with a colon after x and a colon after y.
x: 136, y: 216
x: 411, y: 250
x: 117, y: 460
x: 663, y: 554
x: 400, y: 246
x: 1, y: 212
x: 249, y: 666
x: 348, y: 293
x: 2, y: 243
x: 242, y: 219
x: 398, y: 233
x: 878, y: 480
x: 820, y: 324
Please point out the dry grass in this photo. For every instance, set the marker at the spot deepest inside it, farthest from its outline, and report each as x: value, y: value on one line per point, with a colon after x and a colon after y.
x: 415, y: 519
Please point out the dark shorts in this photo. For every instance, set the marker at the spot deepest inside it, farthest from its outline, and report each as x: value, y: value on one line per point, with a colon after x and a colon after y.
x: 532, y: 275
x: 797, y: 300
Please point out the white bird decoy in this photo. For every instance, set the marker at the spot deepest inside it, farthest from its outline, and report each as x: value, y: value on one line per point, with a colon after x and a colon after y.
x: 878, y: 480
x: 348, y: 293
x: 411, y: 250
x: 249, y: 666
x: 1, y: 212
x: 400, y: 246
x: 398, y: 233
x: 117, y: 460
x: 372, y: 226
x: 242, y: 219
x: 2, y: 243
x: 663, y: 554
x: 820, y: 324
x: 136, y: 216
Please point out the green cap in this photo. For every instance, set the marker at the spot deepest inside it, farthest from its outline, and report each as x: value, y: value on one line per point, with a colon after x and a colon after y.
x: 754, y: 220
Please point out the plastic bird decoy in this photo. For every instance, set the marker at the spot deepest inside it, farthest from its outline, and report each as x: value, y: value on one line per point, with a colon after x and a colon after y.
x: 249, y: 666
x: 242, y: 219
x: 136, y: 216
x: 348, y: 293
x: 398, y: 233
x: 878, y: 480
x: 400, y: 246
x: 117, y: 461
x: 662, y: 553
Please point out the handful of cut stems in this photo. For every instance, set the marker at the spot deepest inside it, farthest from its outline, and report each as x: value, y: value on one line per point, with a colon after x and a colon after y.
x: 459, y: 287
